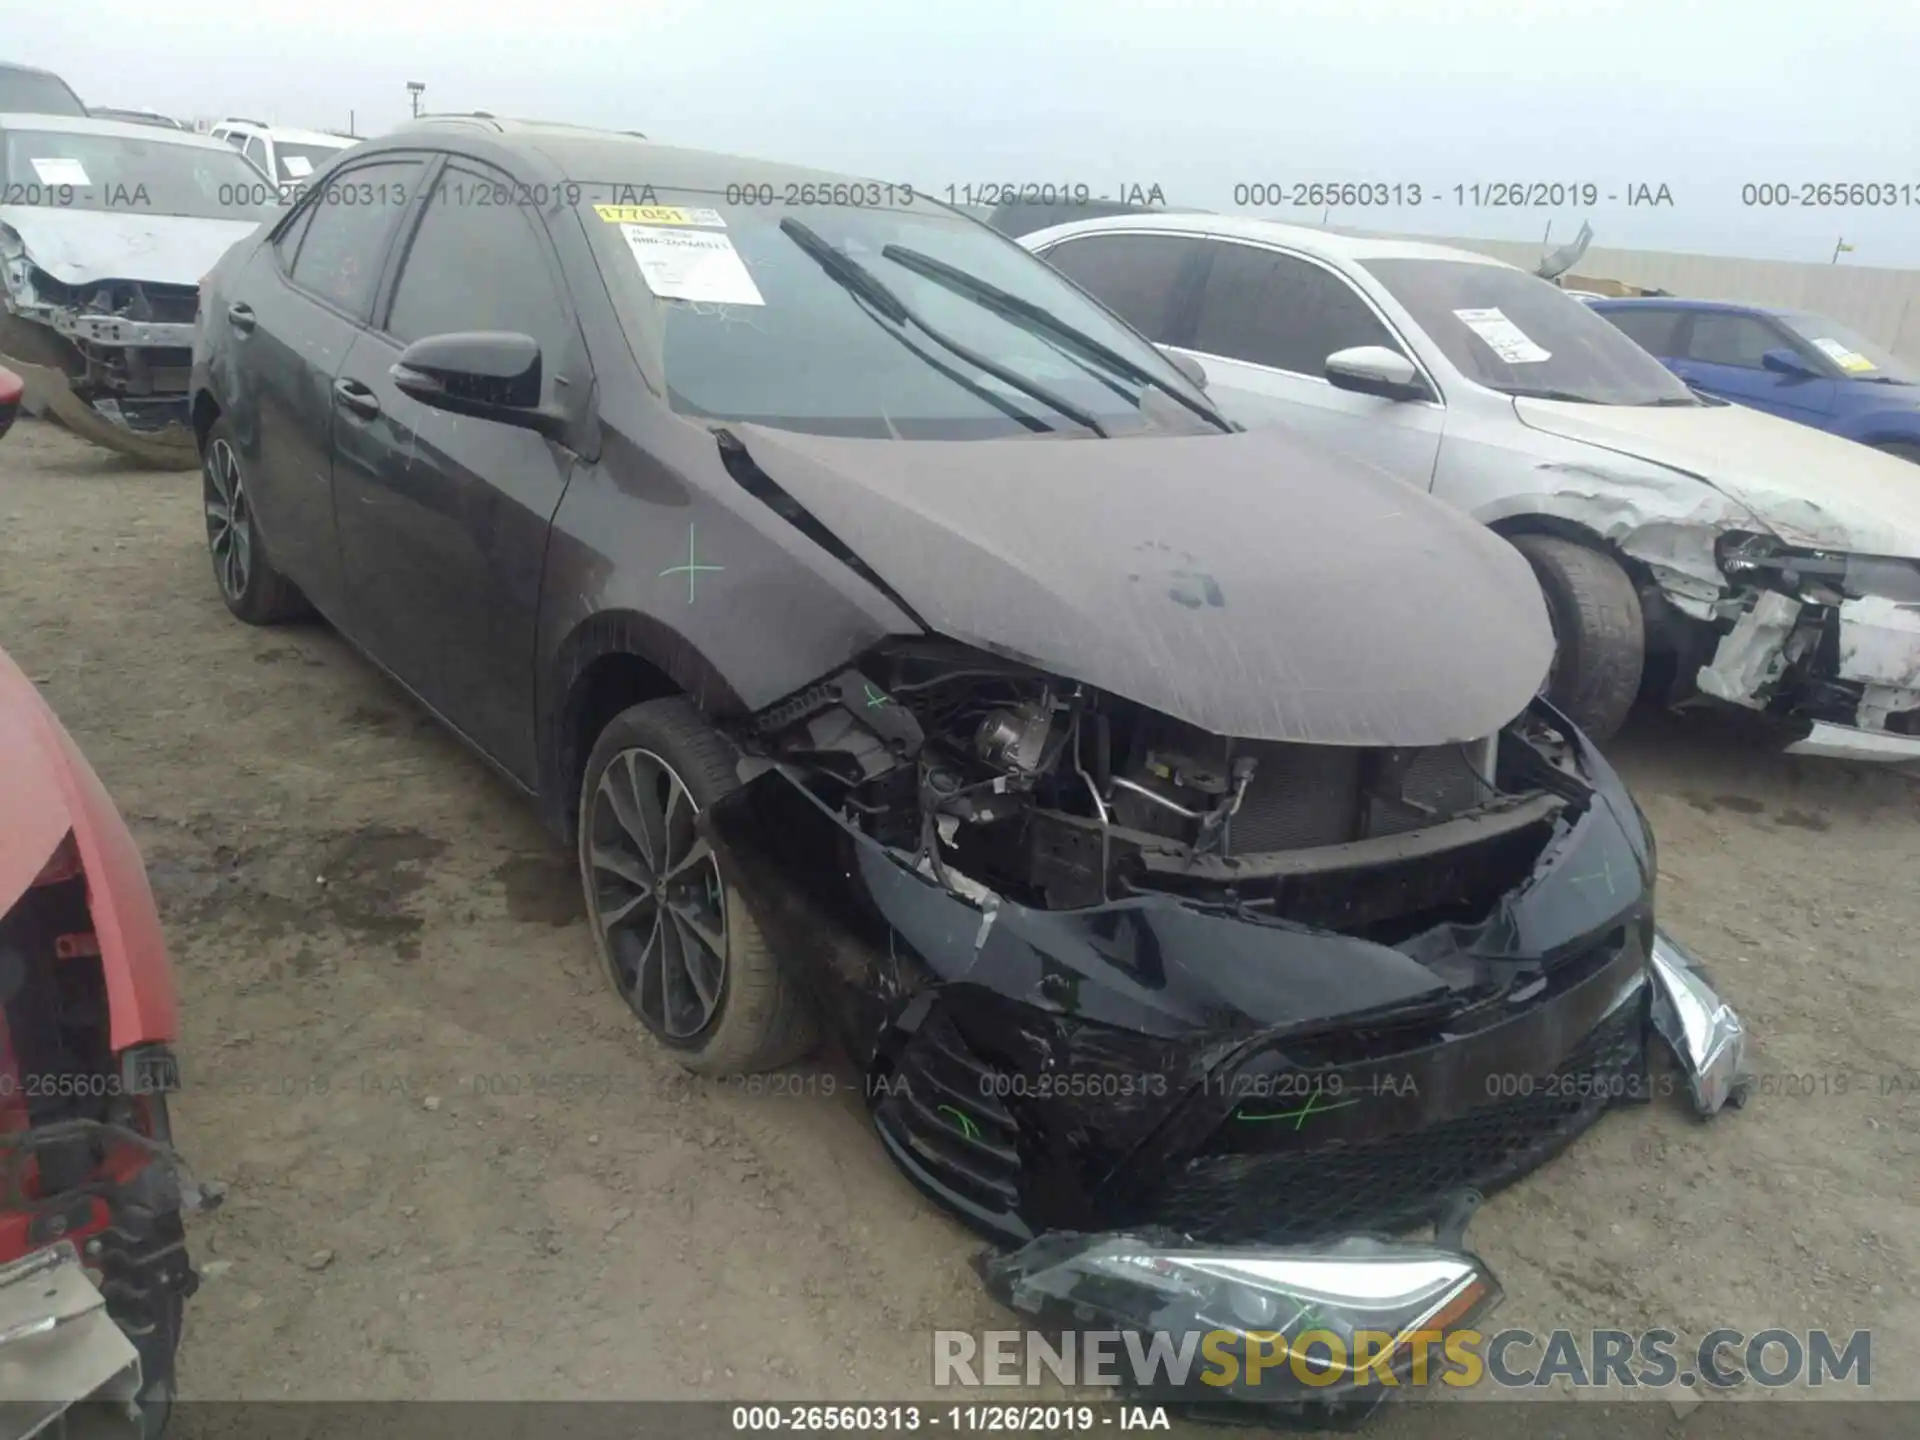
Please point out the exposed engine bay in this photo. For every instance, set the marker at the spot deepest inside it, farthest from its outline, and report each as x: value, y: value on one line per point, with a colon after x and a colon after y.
x: 111, y: 359
x: 1057, y: 796
x: 1819, y: 635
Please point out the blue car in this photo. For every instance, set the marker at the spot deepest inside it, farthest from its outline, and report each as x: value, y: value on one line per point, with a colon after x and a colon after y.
x: 1787, y: 362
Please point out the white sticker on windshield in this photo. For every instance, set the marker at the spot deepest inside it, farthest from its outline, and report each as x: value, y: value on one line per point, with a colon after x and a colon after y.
x: 1503, y: 337
x: 58, y: 170
x: 1846, y: 359
x: 682, y: 264
x: 298, y: 166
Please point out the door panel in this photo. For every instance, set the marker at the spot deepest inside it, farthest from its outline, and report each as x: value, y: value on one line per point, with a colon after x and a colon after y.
x: 293, y: 313
x: 443, y: 518
x: 282, y: 416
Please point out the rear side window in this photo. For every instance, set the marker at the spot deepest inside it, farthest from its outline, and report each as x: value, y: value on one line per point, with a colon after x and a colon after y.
x: 1657, y: 331
x: 1135, y: 276
x: 256, y: 150
x: 346, y: 239
x: 1271, y: 309
x: 1725, y: 338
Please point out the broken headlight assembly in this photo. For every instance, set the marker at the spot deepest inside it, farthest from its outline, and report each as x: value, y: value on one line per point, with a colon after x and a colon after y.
x: 1815, y: 577
x: 1272, y: 1325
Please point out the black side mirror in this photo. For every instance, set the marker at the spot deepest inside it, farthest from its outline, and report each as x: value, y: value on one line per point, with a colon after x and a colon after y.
x: 487, y: 374
x: 1786, y: 362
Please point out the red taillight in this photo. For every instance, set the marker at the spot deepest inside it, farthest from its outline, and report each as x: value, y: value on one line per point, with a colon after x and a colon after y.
x: 64, y: 863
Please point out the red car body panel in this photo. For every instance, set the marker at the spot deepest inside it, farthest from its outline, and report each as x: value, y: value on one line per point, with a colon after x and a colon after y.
x: 47, y: 790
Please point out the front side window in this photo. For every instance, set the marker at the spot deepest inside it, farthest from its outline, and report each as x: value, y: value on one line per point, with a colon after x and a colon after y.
x: 1135, y: 276
x: 746, y: 323
x: 164, y: 175
x: 346, y: 240
x: 256, y: 150
x: 1278, y: 310
x: 1724, y: 337
x: 1518, y: 334
x: 478, y: 267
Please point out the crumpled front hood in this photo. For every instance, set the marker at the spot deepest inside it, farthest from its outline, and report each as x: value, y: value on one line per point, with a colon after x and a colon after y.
x: 78, y: 247
x: 1253, y: 584
x: 1811, y: 488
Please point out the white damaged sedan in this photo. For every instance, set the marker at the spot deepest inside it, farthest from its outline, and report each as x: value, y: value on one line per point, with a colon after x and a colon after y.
x: 1685, y: 546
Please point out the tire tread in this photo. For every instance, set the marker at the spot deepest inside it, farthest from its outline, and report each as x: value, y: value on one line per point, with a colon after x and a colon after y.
x: 1599, y: 628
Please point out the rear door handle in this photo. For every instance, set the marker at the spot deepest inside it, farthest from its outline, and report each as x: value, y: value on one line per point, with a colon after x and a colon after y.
x: 241, y: 317
x: 357, y: 398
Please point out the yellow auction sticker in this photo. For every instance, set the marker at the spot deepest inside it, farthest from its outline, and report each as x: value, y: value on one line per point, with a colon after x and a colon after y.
x: 658, y: 215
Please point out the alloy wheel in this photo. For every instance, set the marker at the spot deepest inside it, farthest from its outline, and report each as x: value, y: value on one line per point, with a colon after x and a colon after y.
x: 657, y: 897
x: 229, y: 531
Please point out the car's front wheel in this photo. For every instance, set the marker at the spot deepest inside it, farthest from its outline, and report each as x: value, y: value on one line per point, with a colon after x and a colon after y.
x: 1599, y: 638
x: 254, y: 590
x: 679, y: 945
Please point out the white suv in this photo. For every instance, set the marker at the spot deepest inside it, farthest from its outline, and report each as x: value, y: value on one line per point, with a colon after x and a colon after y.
x: 290, y: 156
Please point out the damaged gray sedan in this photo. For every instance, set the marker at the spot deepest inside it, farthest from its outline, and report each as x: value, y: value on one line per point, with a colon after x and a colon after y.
x: 106, y: 229
x: 1159, y: 815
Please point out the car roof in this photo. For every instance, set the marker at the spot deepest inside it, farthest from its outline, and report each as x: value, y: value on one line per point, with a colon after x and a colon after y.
x: 587, y: 155
x: 1672, y: 302
x: 290, y: 132
x: 1329, y: 243
x: 125, y: 129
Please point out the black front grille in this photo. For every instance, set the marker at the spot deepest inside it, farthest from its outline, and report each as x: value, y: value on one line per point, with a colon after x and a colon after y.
x: 940, y: 1110
x: 1400, y: 1181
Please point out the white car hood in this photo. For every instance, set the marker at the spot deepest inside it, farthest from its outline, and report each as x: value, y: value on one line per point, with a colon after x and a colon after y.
x: 1812, y: 489
x: 78, y: 247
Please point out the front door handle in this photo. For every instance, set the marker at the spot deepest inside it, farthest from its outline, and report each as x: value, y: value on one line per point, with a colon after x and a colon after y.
x: 357, y: 398
x: 240, y: 316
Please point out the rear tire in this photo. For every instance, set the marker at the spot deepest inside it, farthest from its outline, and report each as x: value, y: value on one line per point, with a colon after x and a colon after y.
x: 658, y: 903
x: 1905, y: 450
x: 1600, y: 640
x: 254, y: 590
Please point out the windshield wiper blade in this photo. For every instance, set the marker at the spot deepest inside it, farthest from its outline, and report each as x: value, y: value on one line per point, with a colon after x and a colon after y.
x: 868, y: 286
x: 1522, y: 392
x: 1010, y: 306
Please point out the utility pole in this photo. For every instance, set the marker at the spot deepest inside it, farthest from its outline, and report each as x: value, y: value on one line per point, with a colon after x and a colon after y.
x: 415, y: 89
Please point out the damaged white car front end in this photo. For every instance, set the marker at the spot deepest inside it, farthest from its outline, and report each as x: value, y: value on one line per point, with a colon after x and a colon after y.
x: 1781, y: 565
x: 106, y: 233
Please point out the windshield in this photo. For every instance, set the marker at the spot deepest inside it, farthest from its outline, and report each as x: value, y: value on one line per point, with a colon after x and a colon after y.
x: 160, y: 176
x: 1515, y: 333
x: 1857, y: 357
x: 747, y: 325
x: 298, y: 162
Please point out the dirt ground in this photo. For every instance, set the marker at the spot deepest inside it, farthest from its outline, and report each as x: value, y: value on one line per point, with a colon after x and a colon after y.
x: 458, y: 1169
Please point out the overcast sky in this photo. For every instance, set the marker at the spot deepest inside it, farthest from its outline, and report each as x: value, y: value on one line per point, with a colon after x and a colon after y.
x: 1197, y: 96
